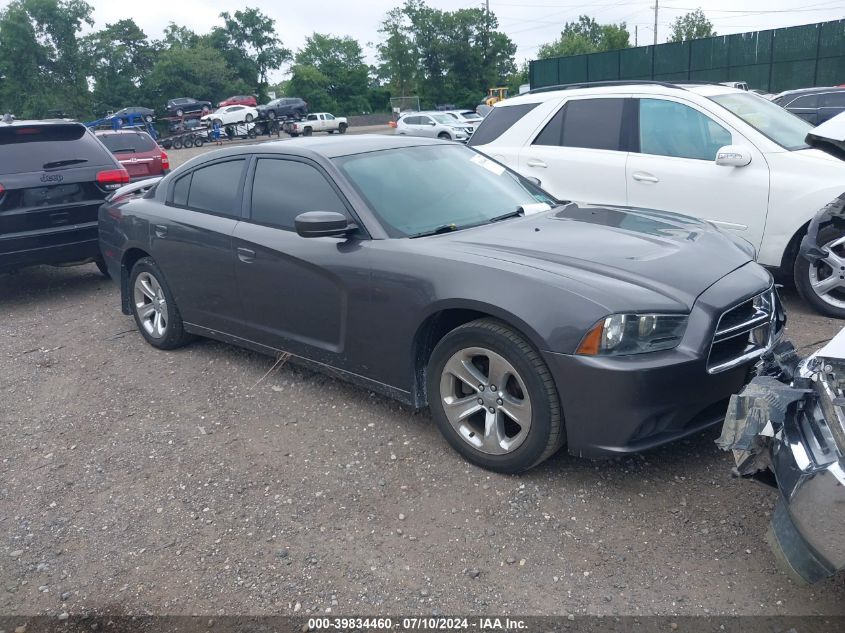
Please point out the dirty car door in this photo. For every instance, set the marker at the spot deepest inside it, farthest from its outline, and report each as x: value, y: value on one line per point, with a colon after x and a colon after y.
x: 297, y: 294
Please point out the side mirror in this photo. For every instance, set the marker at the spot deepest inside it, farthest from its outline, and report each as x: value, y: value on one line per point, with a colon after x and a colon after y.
x: 322, y: 224
x: 733, y: 156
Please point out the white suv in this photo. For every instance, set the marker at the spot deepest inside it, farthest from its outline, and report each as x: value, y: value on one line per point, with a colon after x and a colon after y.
x: 710, y: 151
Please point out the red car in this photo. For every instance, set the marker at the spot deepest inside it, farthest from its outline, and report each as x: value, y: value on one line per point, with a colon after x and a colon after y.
x: 136, y: 150
x: 246, y: 100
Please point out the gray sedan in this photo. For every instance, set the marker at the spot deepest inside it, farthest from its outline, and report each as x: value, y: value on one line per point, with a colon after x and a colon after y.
x: 427, y: 272
x: 434, y: 125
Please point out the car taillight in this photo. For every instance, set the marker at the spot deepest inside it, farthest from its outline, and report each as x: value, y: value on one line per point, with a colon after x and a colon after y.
x: 165, y: 161
x: 2, y: 190
x: 112, y: 179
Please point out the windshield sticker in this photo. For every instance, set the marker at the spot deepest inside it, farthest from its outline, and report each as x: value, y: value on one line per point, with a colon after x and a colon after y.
x: 489, y: 165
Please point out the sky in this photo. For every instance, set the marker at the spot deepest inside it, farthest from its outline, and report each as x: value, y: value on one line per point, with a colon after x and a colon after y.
x: 528, y: 23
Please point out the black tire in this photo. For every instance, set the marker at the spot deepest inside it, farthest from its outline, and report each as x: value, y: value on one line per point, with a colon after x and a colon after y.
x: 101, y: 266
x: 148, y: 118
x: 342, y: 128
x: 271, y: 114
x: 177, y: 142
x: 188, y: 142
x: 174, y: 334
x: 330, y: 131
x: 217, y: 122
x: 248, y: 118
x: 307, y: 131
x: 545, y: 435
x: 802, y: 269
x: 199, y: 141
x: 294, y: 134
x: 444, y: 136
x: 180, y: 112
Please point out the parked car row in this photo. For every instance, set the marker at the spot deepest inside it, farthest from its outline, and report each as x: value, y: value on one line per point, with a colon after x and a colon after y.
x: 445, y: 125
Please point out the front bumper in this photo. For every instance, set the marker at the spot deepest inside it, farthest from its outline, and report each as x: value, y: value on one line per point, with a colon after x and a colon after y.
x: 790, y: 423
x: 626, y: 404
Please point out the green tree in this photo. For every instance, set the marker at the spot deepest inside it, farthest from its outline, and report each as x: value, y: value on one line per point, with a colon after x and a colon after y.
x: 121, y: 56
x: 198, y: 71
x: 398, y: 61
x: 586, y: 35
x: 310, y: 84
x: 41, y: 57
x: 344, y: 75
x: 255, y: 34
x: 692, y: 26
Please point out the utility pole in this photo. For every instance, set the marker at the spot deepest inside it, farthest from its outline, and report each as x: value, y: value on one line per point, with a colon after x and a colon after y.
x: 636, y: 28
x: 656, y: 6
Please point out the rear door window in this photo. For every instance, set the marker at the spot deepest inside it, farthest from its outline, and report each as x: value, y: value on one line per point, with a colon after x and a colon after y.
x: 41, y: 147
x: 833, y: 100
x: 593, y: 124
x: 499, y: 121
x: 216, y: 188
x: 134, y: 142
x: 805, y: 101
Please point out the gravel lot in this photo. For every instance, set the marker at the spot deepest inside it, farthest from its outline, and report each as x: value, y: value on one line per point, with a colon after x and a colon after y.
x: 140, y: 481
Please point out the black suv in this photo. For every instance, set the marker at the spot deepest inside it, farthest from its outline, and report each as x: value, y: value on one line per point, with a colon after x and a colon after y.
x: 54, y: 175
x: 815, y: 105
x: 283, y: 108
x: 186, y: 105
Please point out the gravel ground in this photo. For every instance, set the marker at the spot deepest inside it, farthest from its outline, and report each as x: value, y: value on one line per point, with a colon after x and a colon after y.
x: 139, y: 481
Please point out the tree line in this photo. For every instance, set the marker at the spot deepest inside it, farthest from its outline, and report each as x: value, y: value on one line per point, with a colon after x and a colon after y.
x: 48, y: 65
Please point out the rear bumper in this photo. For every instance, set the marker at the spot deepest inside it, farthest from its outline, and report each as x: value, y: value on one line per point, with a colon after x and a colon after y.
x: 60, y: 245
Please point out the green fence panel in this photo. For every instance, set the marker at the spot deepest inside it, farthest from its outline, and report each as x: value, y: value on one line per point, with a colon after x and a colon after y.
x: 756, y: 75
x: 832, y: 39
x: 572, y: 70
x: 710, y: 74
x: 707, y: 53
x: 789, y: 75
x: 635, y: 63
x: 830, y: 71
x: 795, y: 43
x: 747, y: 49
x: 773, y: 60
x: 603, y: 66
x: 543, y: 72
x: 671, y: 58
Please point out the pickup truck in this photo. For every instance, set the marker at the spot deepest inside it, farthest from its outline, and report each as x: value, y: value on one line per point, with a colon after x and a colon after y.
x: 316, y: 122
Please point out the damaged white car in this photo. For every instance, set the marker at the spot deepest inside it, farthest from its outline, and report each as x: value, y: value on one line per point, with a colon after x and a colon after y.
x: 787, y: 428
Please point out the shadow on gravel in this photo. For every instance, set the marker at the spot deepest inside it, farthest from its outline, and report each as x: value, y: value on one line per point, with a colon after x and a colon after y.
x: 44, y: 283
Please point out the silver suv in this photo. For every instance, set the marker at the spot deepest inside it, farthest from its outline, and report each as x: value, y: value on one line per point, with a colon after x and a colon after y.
x: 434, y: 125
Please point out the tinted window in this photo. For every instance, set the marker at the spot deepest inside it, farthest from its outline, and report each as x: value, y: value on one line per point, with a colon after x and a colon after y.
x: 38, y: 147
x: 411, y: 120
x: 215, y: 188
x: 833, y: 100
x: 180, y: 191
x: 593, y: 123
x: 668, y: 128
x: 806, y: 101
x: 552, y: 132
x: 499, y: 121
x: 128, y: 142
x: 282, y: 189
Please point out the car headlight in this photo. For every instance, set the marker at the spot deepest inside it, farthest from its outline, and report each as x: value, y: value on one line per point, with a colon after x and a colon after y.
x: 623, y: 334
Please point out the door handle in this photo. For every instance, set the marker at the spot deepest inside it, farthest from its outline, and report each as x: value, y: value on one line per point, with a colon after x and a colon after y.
x: 161, y: 230
x: 246, y: 255
x: 536, y: 162
x: 641, y: 176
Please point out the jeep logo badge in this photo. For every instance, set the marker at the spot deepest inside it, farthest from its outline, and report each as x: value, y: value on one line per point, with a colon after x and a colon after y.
x: 52, y: 178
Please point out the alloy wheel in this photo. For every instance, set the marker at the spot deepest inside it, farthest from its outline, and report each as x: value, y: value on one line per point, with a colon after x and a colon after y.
x: 827, y: 275
x: 150, y: 305
x: 485, y: 400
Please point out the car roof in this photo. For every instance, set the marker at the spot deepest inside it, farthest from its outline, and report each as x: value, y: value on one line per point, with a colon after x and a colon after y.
x: 622, y: 87
x: 133, y: 130
x: 809, y: 91
x: 34, y: 122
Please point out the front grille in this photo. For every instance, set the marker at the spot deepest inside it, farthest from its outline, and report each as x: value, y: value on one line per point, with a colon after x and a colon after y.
x: 745, y: 331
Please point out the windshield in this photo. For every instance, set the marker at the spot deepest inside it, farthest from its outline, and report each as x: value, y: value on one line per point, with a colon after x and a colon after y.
x: 784, y: 128
x: 471, y: 116
x: 416, y: 190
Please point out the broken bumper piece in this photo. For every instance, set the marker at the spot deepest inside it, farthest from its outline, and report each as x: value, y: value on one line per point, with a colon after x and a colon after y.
x: 787, y: 427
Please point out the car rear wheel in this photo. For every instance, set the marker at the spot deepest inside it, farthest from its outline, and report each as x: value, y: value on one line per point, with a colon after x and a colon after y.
x: 180, y: 112
x: 444, y: 136
x: 342, y: 128
x: 177, y: 142
x: 306, y: 132
x: 822, y: 283
x: 154, y: 308
x: 271, y: 114
x: 493, y: 398
x: 248, y: 118
x: 199, y: 141
x: 188, y: 142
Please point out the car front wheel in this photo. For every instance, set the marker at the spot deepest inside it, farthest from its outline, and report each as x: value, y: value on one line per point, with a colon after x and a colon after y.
x: 443, y: 136
x: 822, y: 283
x: 154, y: 308
x: 493, y: 398
x: 271, y: 114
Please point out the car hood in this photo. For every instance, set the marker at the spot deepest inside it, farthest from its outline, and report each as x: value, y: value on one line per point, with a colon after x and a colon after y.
x: 614, y: 248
